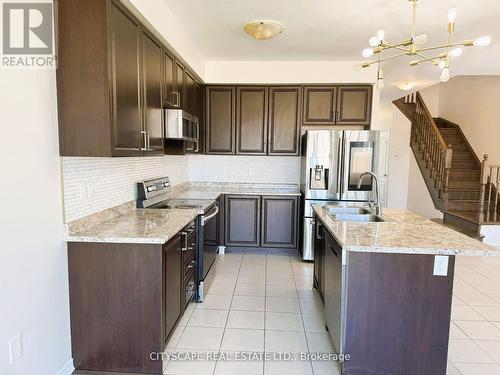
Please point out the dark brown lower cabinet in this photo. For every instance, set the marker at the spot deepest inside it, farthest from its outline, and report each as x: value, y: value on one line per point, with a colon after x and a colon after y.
x: 125, y: 301
x: 242, y: 220
x: 279, y: 221
x: 261, y: 221
x: 172, y: 284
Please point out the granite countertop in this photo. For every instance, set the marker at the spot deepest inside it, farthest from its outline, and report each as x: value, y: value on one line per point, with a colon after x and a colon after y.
x: 127, y: 224
x: 148, y: 226
x: 402, y: 232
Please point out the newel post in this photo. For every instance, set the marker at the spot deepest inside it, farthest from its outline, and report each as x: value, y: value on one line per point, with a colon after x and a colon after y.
x: 484, y: 182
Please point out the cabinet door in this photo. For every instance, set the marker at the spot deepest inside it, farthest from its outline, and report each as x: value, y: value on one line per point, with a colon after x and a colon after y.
x: 189, y: 93
x: 284, y: 120
x: 152, y: 78
x: 220, y: 120
x: 251, y: 120
x: 333, y: 288
x: 172, y: 283
x: 354, y: 105
x: 126, y: 102
x: 242, y: 220
x: 170, y: 98
x: 179, y: 84
x: 279, y: 221
x: 319, y: 254
x: 319, y: 105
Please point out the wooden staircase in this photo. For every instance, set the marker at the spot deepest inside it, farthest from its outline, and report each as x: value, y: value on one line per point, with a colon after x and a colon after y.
x: 461, y: 186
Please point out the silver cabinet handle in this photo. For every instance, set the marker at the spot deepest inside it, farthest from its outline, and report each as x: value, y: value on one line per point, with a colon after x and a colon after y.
x: 185, y: 235
x: 177, y: 97
x: 318, y: 236
x: 144, y: 139
x: 192, y: 264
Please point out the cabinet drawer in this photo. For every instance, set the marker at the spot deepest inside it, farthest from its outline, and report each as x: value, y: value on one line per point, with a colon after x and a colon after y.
x: 189, y: 266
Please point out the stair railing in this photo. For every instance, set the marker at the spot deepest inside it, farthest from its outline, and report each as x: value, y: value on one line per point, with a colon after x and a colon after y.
x: 490, y: 180
x: 436, y: 153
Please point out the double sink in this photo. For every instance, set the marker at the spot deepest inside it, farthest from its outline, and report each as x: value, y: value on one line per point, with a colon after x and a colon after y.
x: 355, y: 214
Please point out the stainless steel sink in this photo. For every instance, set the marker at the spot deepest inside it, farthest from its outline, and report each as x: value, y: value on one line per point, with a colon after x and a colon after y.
x: 366, y: 218
x: 347, y: 210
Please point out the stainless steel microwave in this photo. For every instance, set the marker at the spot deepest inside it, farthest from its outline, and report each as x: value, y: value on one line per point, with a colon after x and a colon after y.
x: 181, y: 125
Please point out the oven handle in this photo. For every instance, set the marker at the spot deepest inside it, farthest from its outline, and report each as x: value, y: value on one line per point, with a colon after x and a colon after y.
x: 206, y: 218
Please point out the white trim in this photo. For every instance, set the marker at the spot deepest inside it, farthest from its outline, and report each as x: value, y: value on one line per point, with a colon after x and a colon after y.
x: 67, y: 369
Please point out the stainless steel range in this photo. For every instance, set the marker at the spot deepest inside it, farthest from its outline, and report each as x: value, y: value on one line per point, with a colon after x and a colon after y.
x: 154, y: 194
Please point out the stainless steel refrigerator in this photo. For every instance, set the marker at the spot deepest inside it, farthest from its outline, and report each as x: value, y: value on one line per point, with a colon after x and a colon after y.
x: 331, y: 163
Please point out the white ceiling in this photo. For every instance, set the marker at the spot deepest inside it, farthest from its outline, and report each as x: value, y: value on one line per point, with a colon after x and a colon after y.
x: 339, y: 30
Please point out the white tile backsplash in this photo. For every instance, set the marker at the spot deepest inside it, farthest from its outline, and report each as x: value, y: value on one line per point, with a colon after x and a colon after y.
x: 94, y: 184
x: 229, y: 168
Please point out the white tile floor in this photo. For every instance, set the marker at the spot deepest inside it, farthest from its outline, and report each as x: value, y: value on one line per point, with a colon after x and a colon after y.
x: 265, y: 303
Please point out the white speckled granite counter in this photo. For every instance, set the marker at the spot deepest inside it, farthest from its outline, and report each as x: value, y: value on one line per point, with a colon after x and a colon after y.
x: 154, y: 226
x: 402, y: 232
x: 126, y: 224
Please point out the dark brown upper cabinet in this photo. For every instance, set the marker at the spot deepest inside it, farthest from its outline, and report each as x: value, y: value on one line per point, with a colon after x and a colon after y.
x: 180, y: 81
x: 354, y: 105
x: 319, y: 105
x: 284, y: 120
x: 337, y: 105
x: 251, y: 120
x: 171, y: 99
x: 279, y: 221
x: 242, y: 217
x: 189, y: 93
x: 152, y: 93
x: 108, y: 81
x: 220, y: 120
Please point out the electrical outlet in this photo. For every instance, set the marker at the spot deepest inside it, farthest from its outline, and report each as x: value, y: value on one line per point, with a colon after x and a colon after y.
x: 440, y: 265
x: 15, y: 348
x: 251, y: 172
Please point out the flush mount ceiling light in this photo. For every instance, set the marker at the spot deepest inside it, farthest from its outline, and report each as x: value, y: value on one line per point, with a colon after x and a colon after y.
x: 263, y: 30
x: 406, y: 86
x: 413, y: 46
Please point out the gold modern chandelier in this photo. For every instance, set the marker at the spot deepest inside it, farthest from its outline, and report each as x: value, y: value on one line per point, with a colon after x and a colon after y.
x: 414, y: 46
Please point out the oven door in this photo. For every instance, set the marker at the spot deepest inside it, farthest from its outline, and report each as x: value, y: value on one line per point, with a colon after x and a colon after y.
x: 209, y: 241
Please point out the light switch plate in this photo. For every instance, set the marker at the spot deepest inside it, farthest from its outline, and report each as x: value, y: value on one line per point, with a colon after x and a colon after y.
x: 440, y: 265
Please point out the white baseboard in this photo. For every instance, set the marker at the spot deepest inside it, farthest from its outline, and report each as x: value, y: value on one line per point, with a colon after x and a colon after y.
x: 67, y: 369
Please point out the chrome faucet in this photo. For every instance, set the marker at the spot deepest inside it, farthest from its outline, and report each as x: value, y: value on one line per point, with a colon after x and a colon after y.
x: 376, y: 204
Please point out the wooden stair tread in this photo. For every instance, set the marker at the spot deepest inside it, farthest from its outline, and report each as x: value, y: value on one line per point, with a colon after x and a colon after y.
x: 472, y: 217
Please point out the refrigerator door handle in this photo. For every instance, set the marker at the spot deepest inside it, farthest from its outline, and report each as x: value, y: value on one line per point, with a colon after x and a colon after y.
x: 340, y: 166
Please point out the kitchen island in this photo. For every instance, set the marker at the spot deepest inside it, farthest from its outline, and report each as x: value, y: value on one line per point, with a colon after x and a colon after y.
x: 387, y: 288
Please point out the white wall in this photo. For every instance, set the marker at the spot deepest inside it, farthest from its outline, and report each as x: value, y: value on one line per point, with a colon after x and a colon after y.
x: 407, y: 187
x: 159, y: 16
x: 33, y: 264
x: 473, y: 102
x: 258, y: 169
x: 287, y: 72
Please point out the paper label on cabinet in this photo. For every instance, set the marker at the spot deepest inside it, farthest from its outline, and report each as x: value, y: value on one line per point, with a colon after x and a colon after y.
x: 440, y: 265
